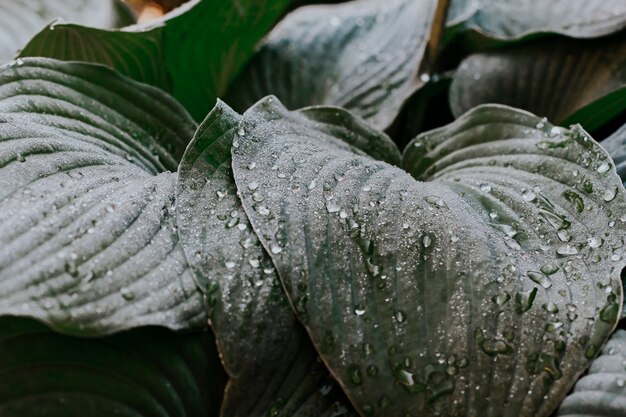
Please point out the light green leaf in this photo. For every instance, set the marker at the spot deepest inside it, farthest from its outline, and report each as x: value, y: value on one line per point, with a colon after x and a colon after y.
x: 193, y: 52
x: 364, y: 55
x: 485, y: 288
x: 484, y: 21
x: 89, y: 242
x: 568, y: 81
x: 602, y: 392
x: 21, y: 19
x: 146, y: 372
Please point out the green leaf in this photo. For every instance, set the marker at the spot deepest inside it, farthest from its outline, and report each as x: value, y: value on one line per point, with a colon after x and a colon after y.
x: 450, y: 295
x: 568, y: 81
x: 144, y: 372
x: 87, y: 202
x: 21, y: 19
x: 616, y: 147
x: 194, y: 52
x: 272, y: 365
x: 602, y: 392
x: 492, y: 21
x: 365, y: 55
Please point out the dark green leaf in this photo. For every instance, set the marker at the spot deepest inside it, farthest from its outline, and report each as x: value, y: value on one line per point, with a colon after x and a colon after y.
x: 194, y: 52
x: 21, y: 19
x: 89, y: 242
x: 497, y: 20
x: 459, y: 294
x: 602, y: 392
x: 146, y: 372
x: 568, y: 81
x: 267, y: 354
x: 364, y: 55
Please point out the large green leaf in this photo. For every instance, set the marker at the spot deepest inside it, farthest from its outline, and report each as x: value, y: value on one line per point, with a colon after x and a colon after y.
x: 602, y: 392
x: 89, y: 242
x: 141, y: 373
x: 498, y: 20
x: 194, y: 52
x: 273, y: 367
x: 364, y: 55
x: 489, y: 287
x: 566, y: 80
x: 21, y: 19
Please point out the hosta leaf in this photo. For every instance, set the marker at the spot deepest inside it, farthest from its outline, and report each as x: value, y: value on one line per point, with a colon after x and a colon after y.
x: 602, y: 392
x: 193, y: 52
x: 364, y: 55
x: 21, y: 19
x: 481, y: 20
x: 485, y: 288
x: 146, y: 372
x: 89, y: 242
x: 616, y: 147
x: 272, y: 365
x: 568, y: 81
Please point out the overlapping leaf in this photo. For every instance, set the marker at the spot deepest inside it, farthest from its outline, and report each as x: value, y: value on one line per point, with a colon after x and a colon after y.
x: 193, y: 52
x: 141, y: 373
x: 272, y: 364
x: 566, y: 80
x: 398, y: 282
x: 365, y: 55
x: 497, y: 20
x: 602, y: 392
x: 87, y: 204
x: 21, y: 19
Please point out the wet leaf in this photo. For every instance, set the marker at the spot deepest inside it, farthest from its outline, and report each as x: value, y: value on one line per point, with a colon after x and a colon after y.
x: 568, y: 81
x: 272, y: 365
x: 511, y: 20
x: 21, y: 19
x: 193, y: 52
x: 602, y: 392
x: 403, y: 278
x: 367, y: 56
x: 143, y: 372
x: 89, y: 241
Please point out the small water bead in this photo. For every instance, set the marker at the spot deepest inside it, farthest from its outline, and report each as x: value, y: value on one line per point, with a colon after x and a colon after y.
x: 564, y: 235
x: 436, y: 201
x: 486, y: 188
x: 604, y: 167
x: 539, y: 278
x: 254, y: 263
x: 621, y: 383
x: 549, y: 269
x: 541, y: 124
x: 312, y: 185
x: 529, y: 195
x: 332, y: 206
x: 241, y: 131
x: 501, y: 299
x: 221, y: 194
x: 566, y: 250
x: 609, y: 195
x: 425, y: 78
x: 399, y: 316
x: 262, y: 210
x: 127, y: 294
x: 354, y: 374
x: 493, y: 215
x: 550, y: 307
x: 359, y: 310
x: 275, y: 249
x: 427, y: 241
x: 454, y: 238
x: 253, y: 185
x: 594, y: 242
x: 20, y: 158
x: 252, y: 165
x: 230, y: 264
x: 616, y: 257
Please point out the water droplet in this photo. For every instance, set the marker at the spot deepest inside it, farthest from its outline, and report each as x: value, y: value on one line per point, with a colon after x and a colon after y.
x: 539, y: 278
x: 566, y: 250
x: 262, y: 210
x: 127, y: 293
x: 594, y: 242
x: 604, y: 167
x: 549, y: 269
x: 254, y: 263
x: 529, y: 195
x: 425, y: 78
x: 609, y: 195
x: 436, y: 201
x: 486, y: 188
x: 312, y: 185
x: 399, y: 316
x: 332, y: 206
x: 275, y: 249
x: 230, y: 264
x: 427, y: 241
x: 253, y: 185
x: 241, y: 131
x: 501, y: 299
x: 354, y: 374
x: 620, y: 383
x: 564, y: 235
x: 550, y: 307
x: 20, y: 158
x: 359, y: 310
x: 524, y: 300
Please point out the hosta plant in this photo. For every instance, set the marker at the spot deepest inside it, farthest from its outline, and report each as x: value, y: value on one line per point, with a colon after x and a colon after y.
x: 264, y: 208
